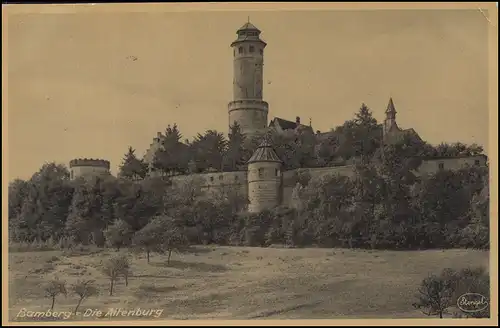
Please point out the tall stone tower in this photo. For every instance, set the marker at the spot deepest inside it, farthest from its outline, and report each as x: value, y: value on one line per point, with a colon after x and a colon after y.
x: 264, y: 178
x: 247, y: 108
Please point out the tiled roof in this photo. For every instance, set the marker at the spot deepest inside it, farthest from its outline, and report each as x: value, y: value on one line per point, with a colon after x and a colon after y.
x: 288, y: 125
x: 248, y: 26
x: 264, y: 153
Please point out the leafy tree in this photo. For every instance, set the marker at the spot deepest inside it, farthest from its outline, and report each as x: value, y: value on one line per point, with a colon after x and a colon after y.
x: 235, y: 155
x: 326, y: 150
x: 208, y: 150
x: 46, y: 201
x: 305, y: 143
x: 83, y: 289
x: 149, y: 238
x: 367, y: 195
x: 436, y: 293
x: 366, y: 134
x: 92, y: 207
x: 118, y: 234
x: 160, y: 235
x: 287, y: 147
x: 132, y: 167
x: 54, y: 288
x: 113, y: 268
x: 18, y: 193
x: 457, y: 149
x: 173, y: 156
x: 172, y: 237
x: 476, y: 233
x: 183, y: 192
x: 138, y: 202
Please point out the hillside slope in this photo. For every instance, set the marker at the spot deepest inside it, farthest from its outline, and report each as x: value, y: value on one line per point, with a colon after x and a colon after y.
x: 243, y: 283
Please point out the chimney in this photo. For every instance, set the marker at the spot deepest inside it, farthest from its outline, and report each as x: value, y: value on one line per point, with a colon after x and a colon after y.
x: 297, y: 120
x: 158, y: 135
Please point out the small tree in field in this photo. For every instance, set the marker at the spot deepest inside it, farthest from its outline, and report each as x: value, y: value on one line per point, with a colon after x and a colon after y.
x: 113, y: 268
x: 149, y: 238
x: 118, y: 234
x: 83, y: 289
x: 161, y: 235
x: 436, y: 293
x: 173, y: 239
x: 53, y: 288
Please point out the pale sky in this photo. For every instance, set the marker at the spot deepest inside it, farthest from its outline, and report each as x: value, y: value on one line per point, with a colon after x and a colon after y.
x: 73, y: 92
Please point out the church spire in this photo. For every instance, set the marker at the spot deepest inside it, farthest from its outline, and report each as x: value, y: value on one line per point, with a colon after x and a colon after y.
x: 390, y: 118
x: 391, y: 110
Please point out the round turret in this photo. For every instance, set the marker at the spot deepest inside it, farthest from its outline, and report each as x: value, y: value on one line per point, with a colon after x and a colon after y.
x: 264, y: 178
x: 88, y: 167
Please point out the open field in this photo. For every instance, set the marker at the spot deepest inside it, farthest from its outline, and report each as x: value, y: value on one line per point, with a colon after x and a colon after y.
x: 242, y: 283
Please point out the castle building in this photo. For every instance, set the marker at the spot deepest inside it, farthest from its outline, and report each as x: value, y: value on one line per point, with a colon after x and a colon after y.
x: 281, y: 125
x: 248, y: 108
x: 264, y: 183
x: 87, y: 167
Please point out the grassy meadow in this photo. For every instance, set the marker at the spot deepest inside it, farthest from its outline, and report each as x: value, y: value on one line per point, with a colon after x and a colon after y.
x: 215, y: 282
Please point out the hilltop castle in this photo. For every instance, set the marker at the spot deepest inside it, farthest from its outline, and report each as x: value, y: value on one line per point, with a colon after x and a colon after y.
x: 264, y: 183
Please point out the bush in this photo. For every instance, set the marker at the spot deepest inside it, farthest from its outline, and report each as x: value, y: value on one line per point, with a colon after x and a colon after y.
x: 438, y: 293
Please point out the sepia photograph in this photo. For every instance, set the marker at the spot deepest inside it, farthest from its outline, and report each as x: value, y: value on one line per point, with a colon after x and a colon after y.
x: 255, y: 161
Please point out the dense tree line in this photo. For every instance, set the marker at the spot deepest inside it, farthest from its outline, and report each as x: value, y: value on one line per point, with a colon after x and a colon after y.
x: 360, y: 137
x: 384, y: 205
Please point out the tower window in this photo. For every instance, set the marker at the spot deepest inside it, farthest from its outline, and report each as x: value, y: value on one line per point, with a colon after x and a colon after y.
x: 212, y: 179
x: 72, y: 176
x: 476, y: 162
x: 277, y: 172
x: 261, y: 51
x: 221, y: 177
x: 261, y: 172
x: 441, y: 166
x: 241, y: 50
x: 252, y: 49
x: 236, y: 178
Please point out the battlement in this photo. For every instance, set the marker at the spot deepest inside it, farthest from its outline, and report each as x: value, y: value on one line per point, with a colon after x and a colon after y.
x: 90, y: 162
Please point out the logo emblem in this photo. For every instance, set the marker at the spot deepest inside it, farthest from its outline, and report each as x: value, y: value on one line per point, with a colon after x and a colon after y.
x: 472, y: 302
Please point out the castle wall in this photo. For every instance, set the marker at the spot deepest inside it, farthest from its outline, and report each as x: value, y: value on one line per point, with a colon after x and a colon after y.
x: 433, y: 165
x: 217, y: 182
x: 212, y: 183
x: 78, y: 171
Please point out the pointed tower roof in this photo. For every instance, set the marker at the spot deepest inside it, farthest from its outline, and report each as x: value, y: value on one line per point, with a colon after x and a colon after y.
x: 390, y: 107
x: 249, y: 26
x: 265, y: 153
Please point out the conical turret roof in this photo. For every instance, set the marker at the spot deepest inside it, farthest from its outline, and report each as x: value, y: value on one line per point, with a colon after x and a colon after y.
x: 264, y: 153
